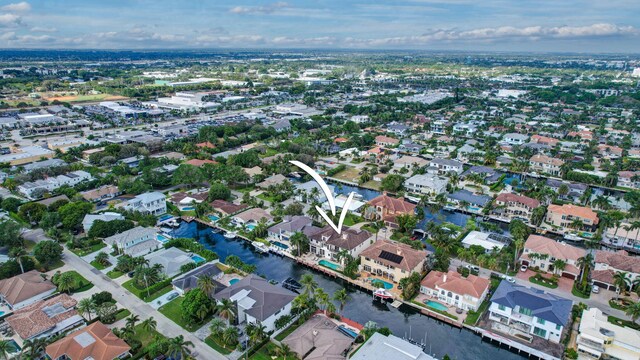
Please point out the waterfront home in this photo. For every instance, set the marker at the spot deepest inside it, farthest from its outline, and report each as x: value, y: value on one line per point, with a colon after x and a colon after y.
x: 25, y: 289
x: 490, y: 176
x: 542, y: 252
x: 489, y: 241
x: 46, y: 318
x: 629, y: 179
x: 182, y: 198
x: 95, y: 342
x: 305, y: 192
x: 563, y: 216
x: 515, y: 139
x: 598, y: 338
x: 398, y: 129
x: 513, y: 206
x: 258, y: 301
x: 189, y: 280
x: 290, y: 225
x: 576, y: 190
x: 326, y: 243
x: 455, y: 290
x: 446, y: 166
x: 468, y: 200
x: 525, y: 312
x: 150, y: 203
x: 387, y: 208
x: 102, y: 193
x: 622, y: 236
x: 318, y: 339
x: 424, y: 184
x: 381, y: 347
x: 252, y: 217
x: 272, y: 180
x: 409, y: 162
x: 392, y: 260
x: 608, y: 263
x: 545, y: 164
x: 386, y: 141
x: 171, y: 260
x: 226, y: 208
x: 89, y: 219
x: 135, y: 242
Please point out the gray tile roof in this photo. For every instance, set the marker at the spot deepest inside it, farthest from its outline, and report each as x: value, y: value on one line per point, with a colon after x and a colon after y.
x: 190, y: 279
x: 542, y: 305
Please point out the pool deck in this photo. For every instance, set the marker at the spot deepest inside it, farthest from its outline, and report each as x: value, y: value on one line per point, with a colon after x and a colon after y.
x: 421, y: 298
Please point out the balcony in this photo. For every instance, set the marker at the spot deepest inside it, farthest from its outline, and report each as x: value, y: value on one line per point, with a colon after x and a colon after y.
x: 591, y: 344
x: 521, y: 317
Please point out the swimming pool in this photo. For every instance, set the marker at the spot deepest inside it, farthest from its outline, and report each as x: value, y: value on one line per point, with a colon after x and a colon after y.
x: 165, y: 217
x: 329, y: 264
x: 13, y: 347
x: 233, y: 281
x: 197, y: 259
x: 188, y: 208
x: 213, y: 218
x: 385, y: 284
x: 163, y: 239
x: 1, y: 313
x: 250, y: 227
x: 347, y: 331
x: 436, y: 305
x: 281, y: 245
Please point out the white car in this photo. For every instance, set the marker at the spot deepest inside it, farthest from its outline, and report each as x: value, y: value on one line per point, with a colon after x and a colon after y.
x: 524, y: 268
x: 510, y: 279
x: 595, y: 289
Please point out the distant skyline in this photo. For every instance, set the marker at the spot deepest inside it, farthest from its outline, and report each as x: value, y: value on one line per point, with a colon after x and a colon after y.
x: 471, y: 25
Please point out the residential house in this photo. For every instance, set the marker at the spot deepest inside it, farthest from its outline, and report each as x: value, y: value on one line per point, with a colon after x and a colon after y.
x: 257, y: 301
x: 386, y: 208
x: 411, y: 147
x: 490, y: 175
x: 489, y: 241
x: 29, y: 189
x: 150, y: 203
x: 446, y: 166
x: 609, y: 263
x: 89, y: 219
x: 398, y: 129
x: 563, y: 216
x: 426, y: 184
x: 409, y: 162
x: 598, y: 338
x: 629, y: 179
x: 289, y: 226
x: 199, y: 162
x: 545, y: 164
x: 189, y: 280
x: 513, y: 206
x: 392, y: 260
x: 542, y: 252
x: 272, y: 180
x: 319, y: 338
x: 252, y: 217
x: 381, y: 347
x: 105, y: 192
x: 327, y: 243
x: 95, y: 342
x: 171, y: 260
x: 386, y: 141
x: 472, y: 202
x: 526, y: 312
x: 45, y: 318
x: 453, y: 289
x: 226, y: 208
x: 305, y: 192
x: 544, y: 140
x: 515, y: 139
x: 25, y: 289
x: 135, y: 242
x: 576, y: 190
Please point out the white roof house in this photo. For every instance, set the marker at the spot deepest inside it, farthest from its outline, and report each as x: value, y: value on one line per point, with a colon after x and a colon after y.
x: 89, y: 219
x: 481, y: 239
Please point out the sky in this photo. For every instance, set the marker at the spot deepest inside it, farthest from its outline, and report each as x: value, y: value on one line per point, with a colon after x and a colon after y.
x: 586, y: 26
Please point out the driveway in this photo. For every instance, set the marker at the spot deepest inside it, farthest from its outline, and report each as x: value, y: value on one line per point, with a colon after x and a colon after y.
x: 157, y: 303
x: 137, y: 306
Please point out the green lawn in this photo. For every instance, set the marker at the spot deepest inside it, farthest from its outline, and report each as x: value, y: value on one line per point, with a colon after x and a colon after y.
x: 287, y: 331
x: 114, y: 274
x: 473, y: 316
x: 88, y: 250
x: 81, y: 284
x: 263, y: 353
x: 144, y: 336
x: 122, y: 313
x: 142, y: 293
x: 98, y: 265
x: 624, y: 323
x: 173, y: 311
x: 212, y: 342
x: 545, y: 283
x: 159, y: 293
x: 579, y: 293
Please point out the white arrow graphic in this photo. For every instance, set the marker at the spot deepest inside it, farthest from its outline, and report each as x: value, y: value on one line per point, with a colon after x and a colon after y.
x: 328, y: 195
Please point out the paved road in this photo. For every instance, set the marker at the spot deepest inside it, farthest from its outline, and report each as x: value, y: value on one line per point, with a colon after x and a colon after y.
x: 594, y: 301
x: 137, y: 306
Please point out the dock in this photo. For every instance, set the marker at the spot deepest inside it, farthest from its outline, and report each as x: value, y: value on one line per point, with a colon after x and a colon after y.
x: 396, y: 303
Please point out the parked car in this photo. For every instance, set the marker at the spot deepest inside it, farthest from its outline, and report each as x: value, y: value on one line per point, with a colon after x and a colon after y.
x: 473, y: 268
x: 172, y: 296
x: 523, y: 268
x: 595, y: 289
x: 131, y: 273
x: 510, y: 279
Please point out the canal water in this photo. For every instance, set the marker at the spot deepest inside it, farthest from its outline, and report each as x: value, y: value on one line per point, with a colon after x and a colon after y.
x: 440, y: 339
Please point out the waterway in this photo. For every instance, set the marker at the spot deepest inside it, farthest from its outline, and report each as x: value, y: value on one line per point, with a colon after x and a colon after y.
x: 440, y: 339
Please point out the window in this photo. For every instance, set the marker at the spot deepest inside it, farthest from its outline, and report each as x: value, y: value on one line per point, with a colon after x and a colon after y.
x: 558, y: 327
x: 540, y: 332
x: 541, y: 321
x: 524, y: 311
x: 501, y: 307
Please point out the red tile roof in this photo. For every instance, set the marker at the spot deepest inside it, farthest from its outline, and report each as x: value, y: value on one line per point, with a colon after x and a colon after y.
x: 525, y: 200
x: 452, y: 281
x: 95, y: 342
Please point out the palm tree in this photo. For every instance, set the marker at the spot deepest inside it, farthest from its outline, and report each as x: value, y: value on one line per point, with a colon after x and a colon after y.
x: 66, y: 282
x: 584, y: 263
x: 283, y: 351
x: 179, y: 347
x: 217, y: 327
x: 256, y: 332
x: 517, y: 245
x: 207, y: 285
x: 102, y: 258
x: 559, y: 265
x: 322, y: 299
x: 5, y: 348
x: 621, y: 281
x: 230, y: 335
x: 86, y: 306
x: 309, y: 284
x: 132, y: 320
x: 149, y: 324
x: 227, y: 310
x: 633, y: 310
x: 17, y: 253
x: 342, y: 297
x: 299, y: 240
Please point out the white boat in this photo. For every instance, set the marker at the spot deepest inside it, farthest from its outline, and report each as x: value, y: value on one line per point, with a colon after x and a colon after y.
x: 260, y: 246
x: 572, y: 237
x: 166, y: 230
x: 173, y: 223
x: 230, y: 234
x: 382, y: 294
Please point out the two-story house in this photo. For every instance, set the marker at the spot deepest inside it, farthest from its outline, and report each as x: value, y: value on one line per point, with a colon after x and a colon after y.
x: 326, y: 243
x: 291, y: 225
x: 446, y: 166
x: 513, y: 206
x: 609, y: 263
x: 150, y: 203
x: 542, y: 252
x: 455, y: 290
x: 600, y: 339
x: 566, y: 217
x: 392, y: 260
x: 425, y: 184
x: 386, y: 208
x: 545, y: 164
x: 135, y: 242
x: 525, y: 312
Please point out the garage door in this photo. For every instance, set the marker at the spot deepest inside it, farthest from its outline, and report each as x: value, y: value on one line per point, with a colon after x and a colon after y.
x: 568, y: 275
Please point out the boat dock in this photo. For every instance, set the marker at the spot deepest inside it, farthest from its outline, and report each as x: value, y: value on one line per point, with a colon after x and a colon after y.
x: 396, y: 303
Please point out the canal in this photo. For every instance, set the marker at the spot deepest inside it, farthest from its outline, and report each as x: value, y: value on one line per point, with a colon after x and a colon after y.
x: 440, y: 339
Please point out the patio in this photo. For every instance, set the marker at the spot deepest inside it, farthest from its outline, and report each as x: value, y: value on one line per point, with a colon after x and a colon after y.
x: 422, y: 298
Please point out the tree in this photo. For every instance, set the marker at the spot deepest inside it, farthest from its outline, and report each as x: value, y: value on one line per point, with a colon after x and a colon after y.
x: 188, y: 175
x: 392, y: 183
x: 284, y: 351
x: 47, y: 252
x: 194, y: 303
x: 102, y: 258
x: 621, y: 282
x: 66, y: 282
x: 217, y: 326
x: 309, y: 285
x: 86, y: 306
x: 107, y: 312
x: 220, y: 191
x: 207, y: 285
x: 178, y: 347
x: 230, y: 336
x: 406, y: 223
x: 633, y: 311
x: 256, y: 332
x: 300, y: 241
x: 132, y: 320
x: 32, y: 212
x: 72, y: 214
x: 341, y: 296
x: 518, y: 229
x: 149, y: 324
x: 10, y: 234
x: 104, y: 229
x: 584, y: 263
x: 11, y: 204
x: 17, y: 253
x: 5, y: 349
x: 559, y: 265
x: 227, y: 310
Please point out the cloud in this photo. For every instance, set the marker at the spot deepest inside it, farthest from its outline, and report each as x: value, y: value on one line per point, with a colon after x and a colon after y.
x: 10, y: 20
x: 43, y: 29
x: 265, y: 9
x: 17, y: 7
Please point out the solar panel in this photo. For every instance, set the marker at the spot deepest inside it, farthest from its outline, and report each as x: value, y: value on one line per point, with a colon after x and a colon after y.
x: 395, y: 258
